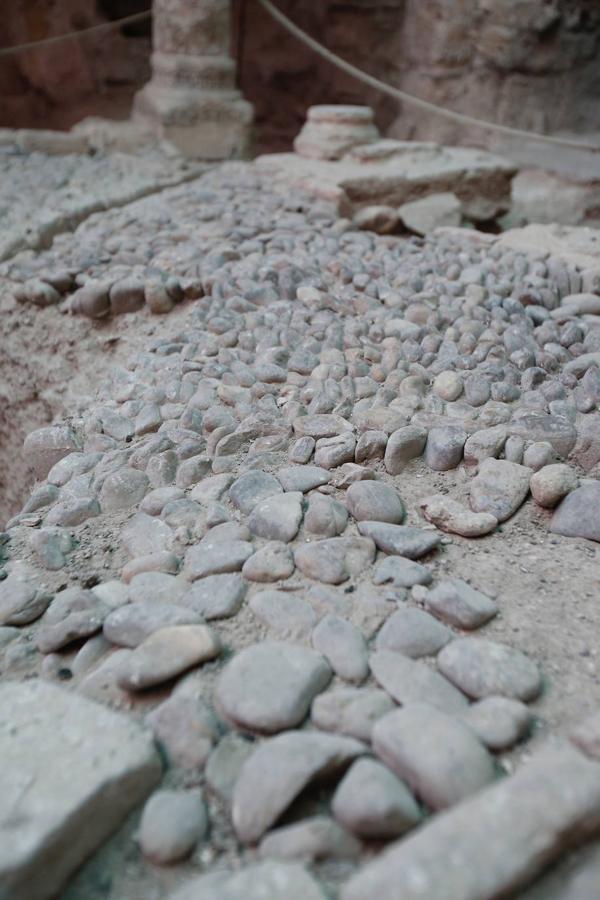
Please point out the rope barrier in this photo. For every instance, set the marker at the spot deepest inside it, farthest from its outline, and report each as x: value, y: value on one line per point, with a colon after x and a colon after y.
x: 410, y: 99
x: 57, y: 38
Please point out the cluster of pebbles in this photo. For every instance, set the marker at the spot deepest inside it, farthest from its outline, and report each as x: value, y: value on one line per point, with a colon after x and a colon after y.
x: 272, y: 609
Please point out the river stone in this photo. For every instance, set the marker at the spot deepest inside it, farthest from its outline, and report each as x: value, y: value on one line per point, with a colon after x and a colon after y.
x: 413, y: 633
x: 186, y: 728
x: 216, y: 596
x: 157, y: 587
x: 456, y: 602
x: 21, y: 602
x: 288, y: 615
x: 436, y: 754
x: 495, y: 842
x: 412, y: 681
x: 551, y: 483
x: 283, y: 766
x: 334, y: 560
x: 325, y: 516
x: 146, y: 535
x: 577, y: 515
x: 166, y: 654
x: 450, y: 515
x: 123, y: 489
x: 302, y: 478
x: 278, y: 517
x: 351, y: 711
x: 172, y: 823
x: 403, y: 445
x: 401, y: 572
x: 375, y: 501
x: 498, y: 722
x: 273, y: 562
x: 311, y: 840
x: 344, y: 647
x: 252, y: 487
x: 215, y: 557
x: 225, y: 762
x: 262, y: 881
x: 373, y: 803
x: 402, y: 540
x: 44, y: 447
x: 444, y: 449
x: 131, y: 624
x: 65, y: 760
x: 500, y: 488
x: 268, y: 687
x: 481, y: 668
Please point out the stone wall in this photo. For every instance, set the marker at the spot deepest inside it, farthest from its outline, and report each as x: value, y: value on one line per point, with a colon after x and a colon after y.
x: 56, y: 86
x: 531, y: 63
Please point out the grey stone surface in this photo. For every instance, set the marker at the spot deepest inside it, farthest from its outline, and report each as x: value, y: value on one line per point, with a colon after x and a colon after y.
x: 286, y: 615
x: 456, y: 602
x: 373, y: 803
x: 65, y: 760
x: 481, y: 668
x: 334, y: 560
x: 262, y: 881
x: 496, y: 841
x: 404, y: 573
x: 412, y: 681
x: 577, y: 515
x: 414, y: 633
x: 402, y: 540
x: 252, y: 487
x: 312, y: 840
x: 216, y: 596
x: 375, y: 501
x: 173, y: 821
x: 167, y: 653
x: 284, y: 766
x: 351, y: 711
x: 500, y: 488
x: 435, y: 753
x: 343, y: 645
x: 216, y: 557
x: 268, y: 687
x: 498, y: 722
x: 278, y: 517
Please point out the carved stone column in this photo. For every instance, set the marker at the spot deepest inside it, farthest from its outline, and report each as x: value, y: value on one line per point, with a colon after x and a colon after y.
x: 192, y: 99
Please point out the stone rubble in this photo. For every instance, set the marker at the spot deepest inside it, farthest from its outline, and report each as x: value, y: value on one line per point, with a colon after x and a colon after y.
x: 277, y: 598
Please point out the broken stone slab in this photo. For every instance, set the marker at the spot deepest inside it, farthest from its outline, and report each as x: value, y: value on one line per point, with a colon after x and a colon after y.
x: 391, y: 173
x: 71, y: 772
x: 495, y: 842
x: 283, y: 766
x: 434, y: 211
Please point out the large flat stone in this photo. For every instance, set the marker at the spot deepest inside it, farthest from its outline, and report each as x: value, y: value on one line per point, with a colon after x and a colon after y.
x: 71, y: 771
x: 494, y: 842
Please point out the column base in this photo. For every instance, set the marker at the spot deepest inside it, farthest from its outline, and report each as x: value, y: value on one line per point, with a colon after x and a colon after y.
x: 202, y: 124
